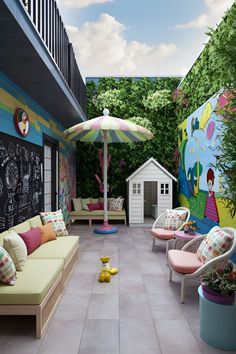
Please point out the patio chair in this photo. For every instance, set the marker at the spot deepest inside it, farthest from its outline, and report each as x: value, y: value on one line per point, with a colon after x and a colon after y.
x: 158, y: 231
x: 186, y: 262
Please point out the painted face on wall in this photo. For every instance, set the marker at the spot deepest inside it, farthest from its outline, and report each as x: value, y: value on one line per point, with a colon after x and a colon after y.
x: 210, y: 185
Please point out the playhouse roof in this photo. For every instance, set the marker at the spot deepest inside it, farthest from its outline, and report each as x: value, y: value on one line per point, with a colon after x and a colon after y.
x: 146, y: 164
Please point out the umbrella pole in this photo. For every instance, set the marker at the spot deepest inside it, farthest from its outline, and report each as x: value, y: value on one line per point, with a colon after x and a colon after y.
x: 105, y: 179
x: 105, y: 228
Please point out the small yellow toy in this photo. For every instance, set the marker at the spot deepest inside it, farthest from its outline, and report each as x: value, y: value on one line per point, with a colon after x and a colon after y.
x: 104, y: 277
x: 113, y: 271
x: 105, y: 263
x: 106, y: 271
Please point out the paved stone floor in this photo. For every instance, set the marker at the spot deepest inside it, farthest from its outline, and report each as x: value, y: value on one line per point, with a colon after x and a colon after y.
x: 138, y: 312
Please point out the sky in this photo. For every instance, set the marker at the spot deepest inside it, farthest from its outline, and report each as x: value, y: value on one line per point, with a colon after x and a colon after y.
x: 139, y: 37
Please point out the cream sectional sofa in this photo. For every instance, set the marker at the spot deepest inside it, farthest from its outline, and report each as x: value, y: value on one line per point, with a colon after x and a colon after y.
x: 97, y: 215
x: 40, y: 285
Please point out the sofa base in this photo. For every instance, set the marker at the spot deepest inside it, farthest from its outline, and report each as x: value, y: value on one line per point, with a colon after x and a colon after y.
x: 70, y: 265
x: 44, y: 311
x: 91, y: 218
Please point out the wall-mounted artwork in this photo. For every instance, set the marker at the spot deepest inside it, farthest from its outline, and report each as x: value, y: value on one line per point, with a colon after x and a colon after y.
x: 21, y: 188
x: 22, y: 122
x: 200, y: 184
x: 67, y: 175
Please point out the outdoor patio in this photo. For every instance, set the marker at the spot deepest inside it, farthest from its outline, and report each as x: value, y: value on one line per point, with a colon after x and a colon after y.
x: 137, y: 312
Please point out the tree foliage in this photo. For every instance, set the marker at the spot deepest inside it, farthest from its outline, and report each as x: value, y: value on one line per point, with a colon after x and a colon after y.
x: 125, y: 98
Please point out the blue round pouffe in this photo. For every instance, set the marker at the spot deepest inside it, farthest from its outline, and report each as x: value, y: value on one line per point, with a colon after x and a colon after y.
x: 111, y: 230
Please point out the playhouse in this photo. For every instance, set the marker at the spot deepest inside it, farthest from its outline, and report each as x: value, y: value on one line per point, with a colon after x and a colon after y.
x: 150, y: 193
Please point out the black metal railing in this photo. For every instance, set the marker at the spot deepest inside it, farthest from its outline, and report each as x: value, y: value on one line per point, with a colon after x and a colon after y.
x: 46, y: 18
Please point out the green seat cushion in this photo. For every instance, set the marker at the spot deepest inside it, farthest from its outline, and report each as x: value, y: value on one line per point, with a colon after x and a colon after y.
x: 60, y: 248
x: 23, y: 227
x: 35, y: 221
x: 33, y: 283
x: 97, y: 213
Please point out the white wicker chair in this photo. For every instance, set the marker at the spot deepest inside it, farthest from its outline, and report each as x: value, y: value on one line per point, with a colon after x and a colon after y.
x: 192, y: 246
x: 160, y: 234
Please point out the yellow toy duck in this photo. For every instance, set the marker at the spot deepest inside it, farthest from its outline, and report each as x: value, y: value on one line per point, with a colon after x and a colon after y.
x: 106, y: 271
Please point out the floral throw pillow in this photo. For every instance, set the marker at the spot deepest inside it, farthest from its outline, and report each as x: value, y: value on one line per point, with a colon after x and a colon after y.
x: 116, y: 204
x: 174, y: 219
x: 7, y: 268
x: 214, y: 244
x: 57, y: 220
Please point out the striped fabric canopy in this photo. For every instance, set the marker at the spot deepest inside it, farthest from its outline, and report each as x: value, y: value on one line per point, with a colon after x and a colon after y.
x: 118, y: 130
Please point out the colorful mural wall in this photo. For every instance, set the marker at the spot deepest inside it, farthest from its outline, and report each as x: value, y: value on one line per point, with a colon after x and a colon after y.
x: 200, y: 184
x: 41, y: 122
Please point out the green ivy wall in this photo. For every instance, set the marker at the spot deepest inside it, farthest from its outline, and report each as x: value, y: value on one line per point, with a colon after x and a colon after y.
x: 136, y: 99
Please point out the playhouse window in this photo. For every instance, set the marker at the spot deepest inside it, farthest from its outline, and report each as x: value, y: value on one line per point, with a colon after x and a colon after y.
x: 136, y: 188
x: 165, y: 188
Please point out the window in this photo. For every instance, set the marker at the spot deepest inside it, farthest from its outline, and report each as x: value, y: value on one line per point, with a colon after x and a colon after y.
x: 136, y: 188
x: 165, y: 188
x: 50, y: 174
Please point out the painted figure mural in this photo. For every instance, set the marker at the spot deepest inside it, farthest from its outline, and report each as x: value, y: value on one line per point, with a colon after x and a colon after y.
x: 211, y: 211
x: 200, y: 185
x: 67, y: 184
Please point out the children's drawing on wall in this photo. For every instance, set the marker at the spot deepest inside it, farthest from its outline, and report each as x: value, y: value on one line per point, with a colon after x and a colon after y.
x: 211, y: 211
x: 21, y: 189
x: 67, y: 184
x: 200, y: 185
x: 101, y: 162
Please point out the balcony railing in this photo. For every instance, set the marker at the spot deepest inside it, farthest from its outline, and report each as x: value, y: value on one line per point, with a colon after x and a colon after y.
x: 47, y: 21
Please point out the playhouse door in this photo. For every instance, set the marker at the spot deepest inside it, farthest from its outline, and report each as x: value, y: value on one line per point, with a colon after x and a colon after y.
x: 150, y: 207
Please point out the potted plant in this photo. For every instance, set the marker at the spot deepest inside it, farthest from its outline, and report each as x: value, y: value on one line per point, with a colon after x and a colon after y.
x: 219, y: 285
x: 190, y: 227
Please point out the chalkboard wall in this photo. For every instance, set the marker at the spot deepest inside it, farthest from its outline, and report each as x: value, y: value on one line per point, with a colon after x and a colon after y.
x: 21, y: 181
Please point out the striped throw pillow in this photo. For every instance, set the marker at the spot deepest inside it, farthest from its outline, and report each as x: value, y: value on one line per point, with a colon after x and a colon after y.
x: 7, y: 268
x: 57, y: 220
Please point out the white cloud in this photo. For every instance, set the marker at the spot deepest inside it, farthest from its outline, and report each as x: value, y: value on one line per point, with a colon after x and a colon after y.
x: 215, y: 10
x: 102, y: 50
x: 82, y: 3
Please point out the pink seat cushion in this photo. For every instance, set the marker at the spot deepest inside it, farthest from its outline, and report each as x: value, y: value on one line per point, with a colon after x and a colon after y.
x: 163, y: 234
x: 184, y: 262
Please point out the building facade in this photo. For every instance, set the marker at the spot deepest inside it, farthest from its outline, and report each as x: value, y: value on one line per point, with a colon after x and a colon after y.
x: 41, y: 94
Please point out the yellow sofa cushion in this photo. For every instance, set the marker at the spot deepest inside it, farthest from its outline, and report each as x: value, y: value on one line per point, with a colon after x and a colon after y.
x: 22, y: 227
x: 30, y: 288
x: 35, y: 221
x: 61, y: 248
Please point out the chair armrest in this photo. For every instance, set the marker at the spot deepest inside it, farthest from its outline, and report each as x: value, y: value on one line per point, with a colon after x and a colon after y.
x: 193, y: 245
x: 159, y: 222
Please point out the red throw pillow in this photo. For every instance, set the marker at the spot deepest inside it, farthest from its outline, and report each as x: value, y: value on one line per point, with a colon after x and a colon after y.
x: 32, y: 239
x: 94, y: 206
x: 101, y: 206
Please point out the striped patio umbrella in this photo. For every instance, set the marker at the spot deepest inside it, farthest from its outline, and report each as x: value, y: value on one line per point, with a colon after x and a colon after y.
x: 107, y: 129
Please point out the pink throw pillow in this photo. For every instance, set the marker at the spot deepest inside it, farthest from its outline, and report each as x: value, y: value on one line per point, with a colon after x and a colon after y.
x: 94, y: 206
x: 32, y: 239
